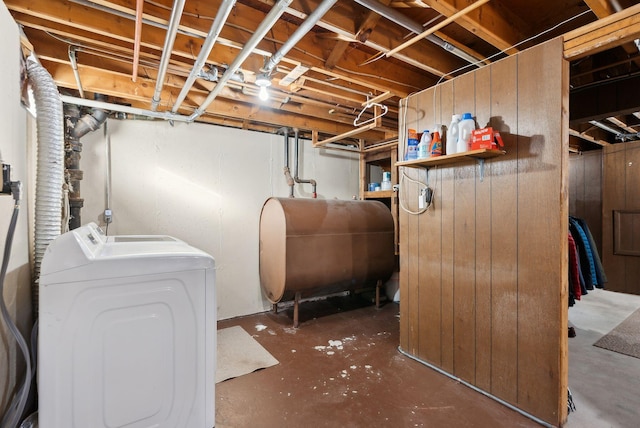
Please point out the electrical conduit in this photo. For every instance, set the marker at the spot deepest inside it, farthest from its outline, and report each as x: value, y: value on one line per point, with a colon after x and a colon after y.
x: 287, y: 171
x: 295, y: 167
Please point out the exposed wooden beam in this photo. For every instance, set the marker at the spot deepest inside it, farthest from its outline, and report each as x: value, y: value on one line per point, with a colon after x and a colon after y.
x: 491, y: 25
x: 120, y: 86
x: 621, y: 124
x: 600, y: 8
x: 477, y: 4
x: 364, y: 30
x: 606, y: 33
x: 587, y: 137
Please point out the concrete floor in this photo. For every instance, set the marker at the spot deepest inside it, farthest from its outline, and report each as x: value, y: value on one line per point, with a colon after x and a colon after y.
x: 605, y: 385
x: 366, y: 382
x: 341, y: 368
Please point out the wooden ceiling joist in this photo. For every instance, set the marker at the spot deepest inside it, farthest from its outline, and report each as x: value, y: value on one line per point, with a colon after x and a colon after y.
x: 614, y: 30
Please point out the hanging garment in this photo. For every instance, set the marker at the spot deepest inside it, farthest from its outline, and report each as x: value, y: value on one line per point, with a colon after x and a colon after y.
x: 586, y: 257
x: 575, y: 290
x: 600, y: 275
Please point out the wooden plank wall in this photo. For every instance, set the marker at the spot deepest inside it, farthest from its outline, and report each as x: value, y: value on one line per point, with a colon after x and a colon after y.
x: 621, y: 191
x: 483, y: 273
x: 585, y: 191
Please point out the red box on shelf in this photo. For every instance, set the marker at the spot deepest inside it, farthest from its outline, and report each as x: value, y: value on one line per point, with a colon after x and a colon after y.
x: 485, y: 138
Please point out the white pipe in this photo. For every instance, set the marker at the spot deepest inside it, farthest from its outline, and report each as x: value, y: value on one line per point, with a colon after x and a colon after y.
x: 124, y: 109
x: 74, y: 67
x: 303, y: 29
x: 274, y: 14
x: 216, y: 27
x: 172, y: 31
x: 50, y: 165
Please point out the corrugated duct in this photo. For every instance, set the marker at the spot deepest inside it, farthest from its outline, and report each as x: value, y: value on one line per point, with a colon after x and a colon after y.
x: 50, y: 165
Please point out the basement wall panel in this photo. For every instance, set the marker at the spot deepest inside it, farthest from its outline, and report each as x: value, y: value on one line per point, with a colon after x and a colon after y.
x: 621, y: 193
x: 498, y: 297
x: 206, y: 185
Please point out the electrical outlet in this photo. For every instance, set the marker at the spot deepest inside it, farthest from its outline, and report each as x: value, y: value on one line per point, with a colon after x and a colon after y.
x: 6, y: 179
x: 108, y: 216
x: 424, y: 200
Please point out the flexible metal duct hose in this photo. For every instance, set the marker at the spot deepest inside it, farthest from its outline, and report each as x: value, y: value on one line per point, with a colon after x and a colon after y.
x: 50, y: 166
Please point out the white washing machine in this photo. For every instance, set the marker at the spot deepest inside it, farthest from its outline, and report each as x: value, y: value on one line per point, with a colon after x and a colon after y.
x: 127, y: 333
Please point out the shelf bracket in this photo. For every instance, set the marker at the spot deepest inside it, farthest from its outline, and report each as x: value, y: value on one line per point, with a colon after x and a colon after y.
x: 481, y: 165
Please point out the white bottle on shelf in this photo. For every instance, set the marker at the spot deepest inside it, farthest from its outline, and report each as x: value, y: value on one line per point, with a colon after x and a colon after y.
x: 466, y: 125
x: 452, y: 135
x: 424, y: 146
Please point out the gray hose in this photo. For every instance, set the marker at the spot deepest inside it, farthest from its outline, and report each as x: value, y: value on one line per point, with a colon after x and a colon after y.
x: 11, y: 418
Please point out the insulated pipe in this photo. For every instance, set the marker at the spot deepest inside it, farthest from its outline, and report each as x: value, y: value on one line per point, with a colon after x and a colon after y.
x: 303, y: 29
x: 274, y: 14
x: 295, y: 166
x: 74, y: 66
x: 216, y: 27
x: 287, y: 171
x: 402, y: 20
x: 49, y: 168
x: 172, y: 31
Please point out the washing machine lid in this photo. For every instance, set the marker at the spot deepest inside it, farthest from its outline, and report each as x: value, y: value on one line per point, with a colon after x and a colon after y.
x: 87, y: 253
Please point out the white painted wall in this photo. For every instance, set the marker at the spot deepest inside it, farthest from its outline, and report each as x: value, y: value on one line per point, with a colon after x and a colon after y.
x: 206, y: 185
x: 13, y: 150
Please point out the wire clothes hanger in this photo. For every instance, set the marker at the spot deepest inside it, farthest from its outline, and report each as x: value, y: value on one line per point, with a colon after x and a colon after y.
x: 382, y: 112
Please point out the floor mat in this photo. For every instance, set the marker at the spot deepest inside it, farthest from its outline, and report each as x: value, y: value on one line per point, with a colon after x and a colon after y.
x: 239, y: 354
x: 625, y: 338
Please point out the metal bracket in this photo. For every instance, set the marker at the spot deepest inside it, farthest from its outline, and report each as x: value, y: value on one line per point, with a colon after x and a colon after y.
x: 481, y: 164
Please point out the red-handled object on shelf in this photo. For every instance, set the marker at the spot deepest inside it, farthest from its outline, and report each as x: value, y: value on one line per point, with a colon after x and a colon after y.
x: 485, y: 138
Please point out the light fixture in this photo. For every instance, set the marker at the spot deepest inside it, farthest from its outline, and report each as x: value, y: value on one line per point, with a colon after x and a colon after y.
x: 263, y: 80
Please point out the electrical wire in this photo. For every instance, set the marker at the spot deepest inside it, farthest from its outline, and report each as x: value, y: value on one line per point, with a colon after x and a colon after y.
x: 14, y: 412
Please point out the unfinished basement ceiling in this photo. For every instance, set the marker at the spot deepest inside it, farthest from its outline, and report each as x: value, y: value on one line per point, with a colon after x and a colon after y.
x: 322, y: 83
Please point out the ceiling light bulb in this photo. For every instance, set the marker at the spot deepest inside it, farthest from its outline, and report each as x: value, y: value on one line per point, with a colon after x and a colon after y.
x: 263, y: 94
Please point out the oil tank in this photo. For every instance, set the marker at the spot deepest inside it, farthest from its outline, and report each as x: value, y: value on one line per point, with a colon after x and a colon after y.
x: 315, y: 246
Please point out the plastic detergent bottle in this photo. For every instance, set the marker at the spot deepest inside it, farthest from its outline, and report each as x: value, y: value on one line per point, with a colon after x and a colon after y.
x: 436, y: 144
x: 412, y: 145
x: 452, y: 135
x: 425, y: 145
x: 465, y: 127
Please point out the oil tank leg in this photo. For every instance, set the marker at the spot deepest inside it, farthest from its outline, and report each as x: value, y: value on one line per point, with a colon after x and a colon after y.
x: 274, y: 308
x: 378, y: 285
x: 296, y: 305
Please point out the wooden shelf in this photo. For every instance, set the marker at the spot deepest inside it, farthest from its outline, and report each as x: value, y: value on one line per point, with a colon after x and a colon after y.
x: 379, y: 194
x: 454, y: 158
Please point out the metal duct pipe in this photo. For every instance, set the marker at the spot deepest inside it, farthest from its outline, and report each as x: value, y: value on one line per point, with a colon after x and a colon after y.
x: 605, y: 127
x: 50, y: 166
x: 303, y: 29
x: 90, y: 121
x: 402, y: 20
x: 172, y: 31
x: 124, y: 109
x: 216, y: 27
x: 287, y: 171
x: 74, y: 66
x: 76, y: 128
x: 295, y: 166
x: 274, y: 14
